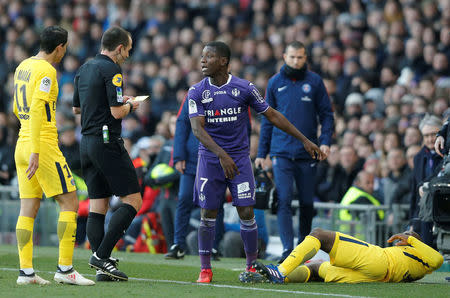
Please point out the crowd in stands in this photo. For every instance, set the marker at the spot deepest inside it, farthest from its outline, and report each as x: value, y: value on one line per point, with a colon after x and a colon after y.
x: 385, y: 64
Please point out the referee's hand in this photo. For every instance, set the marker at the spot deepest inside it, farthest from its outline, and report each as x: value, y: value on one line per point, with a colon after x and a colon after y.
x: 33, y: 165
x: 134, y: 104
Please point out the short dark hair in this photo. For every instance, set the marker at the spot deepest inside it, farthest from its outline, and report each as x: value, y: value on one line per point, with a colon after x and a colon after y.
x: 221, y: 48
x: 51, y: 37
x: 296, y: 45
x: 115, y: 36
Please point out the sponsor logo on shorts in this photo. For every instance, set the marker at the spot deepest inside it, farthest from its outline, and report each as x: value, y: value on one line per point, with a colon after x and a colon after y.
x: 243, y: 190
x: 243, y: 187
x: 202, y: 197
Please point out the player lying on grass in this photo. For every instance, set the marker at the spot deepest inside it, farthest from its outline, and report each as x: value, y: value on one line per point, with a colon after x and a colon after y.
x: 351, y: 261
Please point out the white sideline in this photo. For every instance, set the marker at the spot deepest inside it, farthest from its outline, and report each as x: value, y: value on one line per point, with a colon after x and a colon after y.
x: 213, y: 285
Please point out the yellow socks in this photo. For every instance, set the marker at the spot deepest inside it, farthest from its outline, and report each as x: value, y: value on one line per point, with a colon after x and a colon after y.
x: 24, y: 235
x: 299, y: 275
x: 323, y: 269
x: 67, y: 227
x: 303, y: 252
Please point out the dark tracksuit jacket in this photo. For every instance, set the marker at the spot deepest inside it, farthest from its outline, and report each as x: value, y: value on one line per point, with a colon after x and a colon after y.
x: 305, y: 104
x: 185, y: 145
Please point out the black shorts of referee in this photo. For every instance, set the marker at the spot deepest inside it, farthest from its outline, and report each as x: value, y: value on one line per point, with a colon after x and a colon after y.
x: 107, y: 167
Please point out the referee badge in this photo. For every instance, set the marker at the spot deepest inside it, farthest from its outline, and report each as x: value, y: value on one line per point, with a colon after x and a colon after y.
x: 117, y: 80
x: 119, y: 94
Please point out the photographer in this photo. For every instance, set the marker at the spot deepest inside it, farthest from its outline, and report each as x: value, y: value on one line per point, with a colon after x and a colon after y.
x: 442, y: 139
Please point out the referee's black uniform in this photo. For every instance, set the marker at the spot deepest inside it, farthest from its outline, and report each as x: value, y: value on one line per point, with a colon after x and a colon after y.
x: 107, y: 167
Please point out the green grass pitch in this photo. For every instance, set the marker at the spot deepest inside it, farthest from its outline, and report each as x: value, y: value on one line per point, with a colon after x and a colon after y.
x: 152, y: 276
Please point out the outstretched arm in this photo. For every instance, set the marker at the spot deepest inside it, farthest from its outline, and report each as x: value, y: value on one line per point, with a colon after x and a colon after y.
x: 198, y: 128
x: 282, y: 123
x: 432, y: 257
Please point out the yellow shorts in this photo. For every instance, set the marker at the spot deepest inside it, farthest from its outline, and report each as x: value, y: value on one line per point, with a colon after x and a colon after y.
x: 53, y: 177
x: 355, y: 261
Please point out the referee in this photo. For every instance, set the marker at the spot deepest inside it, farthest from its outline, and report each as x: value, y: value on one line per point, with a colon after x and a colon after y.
x: 106, y: 165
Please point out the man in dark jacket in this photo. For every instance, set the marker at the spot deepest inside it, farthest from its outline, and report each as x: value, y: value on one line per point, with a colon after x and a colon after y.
x: 442, y: 144
x: 301, y: 97
x: 426, y: 163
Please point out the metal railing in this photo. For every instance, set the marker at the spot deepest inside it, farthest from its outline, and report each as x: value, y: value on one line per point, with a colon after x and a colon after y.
x: 364, y: 224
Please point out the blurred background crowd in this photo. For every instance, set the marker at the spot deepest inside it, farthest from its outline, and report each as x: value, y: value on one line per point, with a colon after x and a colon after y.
x: 385, y: 64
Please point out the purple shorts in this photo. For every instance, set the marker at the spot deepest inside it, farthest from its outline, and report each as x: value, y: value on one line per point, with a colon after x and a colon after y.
x: 211, y: 184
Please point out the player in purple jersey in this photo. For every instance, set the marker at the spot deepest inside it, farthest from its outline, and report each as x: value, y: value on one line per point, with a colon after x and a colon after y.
x: 218, y: 111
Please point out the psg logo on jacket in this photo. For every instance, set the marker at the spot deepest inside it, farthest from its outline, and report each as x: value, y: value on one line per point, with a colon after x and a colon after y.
x: 306, y: 88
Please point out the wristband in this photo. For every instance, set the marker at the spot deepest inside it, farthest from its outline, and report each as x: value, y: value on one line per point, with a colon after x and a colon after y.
x: 131, y: 107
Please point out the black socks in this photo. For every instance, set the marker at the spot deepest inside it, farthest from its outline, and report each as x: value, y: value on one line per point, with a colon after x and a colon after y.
x: 119, y: 223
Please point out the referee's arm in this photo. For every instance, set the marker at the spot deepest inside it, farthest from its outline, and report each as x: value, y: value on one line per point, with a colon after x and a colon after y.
x: 118, y: 112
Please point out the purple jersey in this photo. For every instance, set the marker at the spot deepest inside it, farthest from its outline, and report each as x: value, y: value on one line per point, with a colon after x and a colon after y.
x: 225, y: 109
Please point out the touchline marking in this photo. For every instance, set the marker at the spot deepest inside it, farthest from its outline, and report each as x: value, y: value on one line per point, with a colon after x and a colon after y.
x: 215, y: 285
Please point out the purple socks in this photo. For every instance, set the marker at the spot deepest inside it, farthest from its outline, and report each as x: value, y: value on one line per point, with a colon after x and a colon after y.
x: 206, y: 233
x: 249, y: 235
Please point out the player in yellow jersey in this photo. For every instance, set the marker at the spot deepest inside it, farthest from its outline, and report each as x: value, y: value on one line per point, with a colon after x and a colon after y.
x: 41, y: 167
x: 351, y: 260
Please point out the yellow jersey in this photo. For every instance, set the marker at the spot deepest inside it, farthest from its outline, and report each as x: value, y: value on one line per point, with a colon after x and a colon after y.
x: 35, y: 95
x: 411, y: 262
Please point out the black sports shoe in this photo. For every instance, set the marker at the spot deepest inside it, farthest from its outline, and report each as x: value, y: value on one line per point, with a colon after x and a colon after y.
x: 108, y: 267
x: 215, y: 255
x: 100, y: 276
x: 175, y: 252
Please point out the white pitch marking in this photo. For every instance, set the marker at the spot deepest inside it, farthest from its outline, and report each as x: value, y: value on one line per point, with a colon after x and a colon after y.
x: 214, y: 285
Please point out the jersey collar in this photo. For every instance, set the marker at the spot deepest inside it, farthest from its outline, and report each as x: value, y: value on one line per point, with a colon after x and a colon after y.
x: 228, y: 81
x: 101, y: 56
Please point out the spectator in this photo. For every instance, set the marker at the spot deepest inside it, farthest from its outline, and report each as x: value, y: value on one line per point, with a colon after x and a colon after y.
x: 396, y: 186
x: 426, y: 162
x: 351, y: 164
x: 412, y: 137
x: 360, y: 193
x: 442, y: 143
x: 327, y: 177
